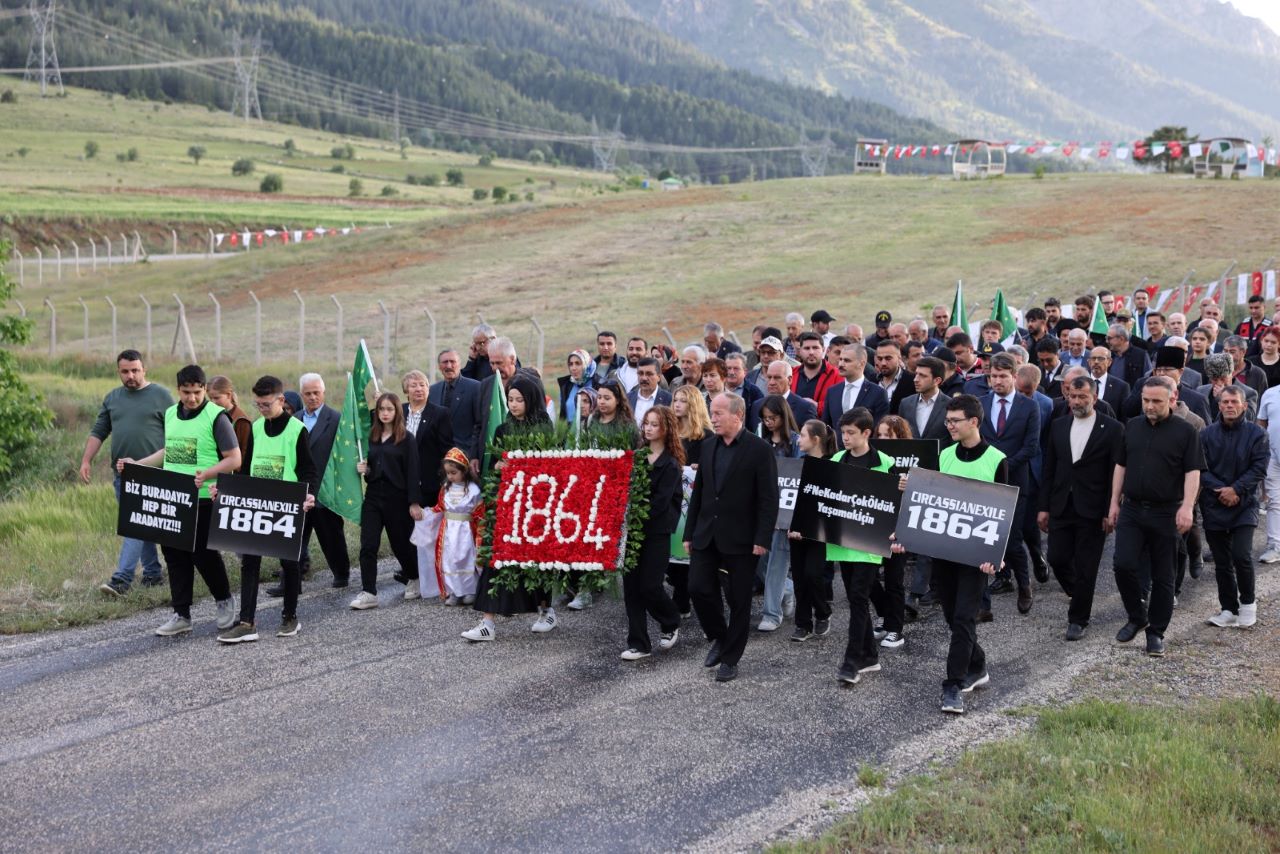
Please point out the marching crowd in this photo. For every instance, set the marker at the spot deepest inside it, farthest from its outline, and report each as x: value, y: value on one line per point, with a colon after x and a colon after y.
x: 1164, y: 431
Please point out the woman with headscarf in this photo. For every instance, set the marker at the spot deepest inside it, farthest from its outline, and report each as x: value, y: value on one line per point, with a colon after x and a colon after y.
x: 582, y: 374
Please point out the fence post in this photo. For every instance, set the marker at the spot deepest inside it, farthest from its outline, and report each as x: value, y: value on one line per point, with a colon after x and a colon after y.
x: 302, y: 328
x: 39, y: 266
x: 672, y: 339
x: 257, y: 329
x: 338, y: 337
x: 22, y: 268
x: 182, y: 330
x: 85, y: 310
x: 58, y: 249
x: 124, y: 249
x: 173, y: 233
x: 107, y: 243
x: 147, y: 303
x: 93, y: 245
x: 22, y: 309
x: 431, y: 357
x: 386, y: 339
x: 138, y: 251
x: 211, y: 243
x: 217, y: 328
x: 597, y: 326
x: 114, y: 349
x: 53, y: 327
x: 542, y: 340
x: 76, y: 246
x: 479, y: 318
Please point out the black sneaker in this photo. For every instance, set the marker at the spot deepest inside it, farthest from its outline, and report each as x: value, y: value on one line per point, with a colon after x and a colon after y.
x: 1001, y: 585
x: 952, y: 702
x: 801, y: 635
x: 848, y: 674
x: 975, y: 680
x: 821, y: 628
x: 275, y: 590
x: 1075, y: 631
x: 152, y: 582
x: 114, y: 589
x: 879, y: 632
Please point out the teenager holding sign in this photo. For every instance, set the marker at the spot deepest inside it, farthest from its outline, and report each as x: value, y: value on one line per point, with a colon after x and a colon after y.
x: 200, y: 441
x: 277, y: 449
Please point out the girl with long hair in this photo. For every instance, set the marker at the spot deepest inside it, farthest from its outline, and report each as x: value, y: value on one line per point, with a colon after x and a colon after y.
x: 808, y: 558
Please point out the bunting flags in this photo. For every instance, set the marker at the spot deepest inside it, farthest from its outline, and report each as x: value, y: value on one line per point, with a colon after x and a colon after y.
x: 1137, y: 150
x: 238, y: 239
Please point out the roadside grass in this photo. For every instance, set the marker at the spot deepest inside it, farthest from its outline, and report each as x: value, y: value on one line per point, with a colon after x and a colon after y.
x: 1094, y: 776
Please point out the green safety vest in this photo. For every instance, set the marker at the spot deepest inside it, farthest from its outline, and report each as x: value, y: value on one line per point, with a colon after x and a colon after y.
x: 983, y: 468
x: 189, y: 445
x: 840, y: 553
x: 276, y: 457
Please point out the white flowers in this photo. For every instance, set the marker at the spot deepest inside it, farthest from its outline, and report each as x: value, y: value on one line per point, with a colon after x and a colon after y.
x: 562, y: 566
x: 565, y: 455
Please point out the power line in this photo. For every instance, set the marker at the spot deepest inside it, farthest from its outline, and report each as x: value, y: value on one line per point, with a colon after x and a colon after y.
x: 136, y: 66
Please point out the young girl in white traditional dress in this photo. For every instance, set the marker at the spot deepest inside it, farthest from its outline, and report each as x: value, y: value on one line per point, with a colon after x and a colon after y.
x: 458, y: 511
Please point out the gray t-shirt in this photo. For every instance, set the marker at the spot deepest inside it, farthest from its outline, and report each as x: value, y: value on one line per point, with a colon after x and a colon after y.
x: 134, y: 420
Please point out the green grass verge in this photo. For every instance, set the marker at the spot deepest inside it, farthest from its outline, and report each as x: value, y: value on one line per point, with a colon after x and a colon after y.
x: 1095, y: 776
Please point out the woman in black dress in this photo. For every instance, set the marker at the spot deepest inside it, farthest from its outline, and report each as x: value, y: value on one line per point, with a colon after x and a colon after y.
x: 1269, y: 356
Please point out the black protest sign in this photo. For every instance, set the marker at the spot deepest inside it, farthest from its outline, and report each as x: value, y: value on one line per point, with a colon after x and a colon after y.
x: 846, y: 505
x: 955, y: 518
x: 158, y: 506
x: 258, y: 516
x: 788, y: 490
x: 909, y: 453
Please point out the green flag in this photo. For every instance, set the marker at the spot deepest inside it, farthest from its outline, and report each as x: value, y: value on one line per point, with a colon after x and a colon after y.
x: 959, y: 317
x: 340, y: 489
x: 497, y: 414
x: 1000, y: 311
x: 362, y: 374
x: 1098, y: 325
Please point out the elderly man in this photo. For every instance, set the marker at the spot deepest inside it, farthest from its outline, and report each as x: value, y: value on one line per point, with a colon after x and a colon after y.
x: 729, y: 526
x: 736, y: 381
x: 898, y: 334
x: 1219, y: 373
x: 854, y: 333
x: 1177, y: 324
x: 1129, y: 363
x: 855, y: 391
x: 133, y: 416
x: 1246, y: 373
x: 713, y: 337
x: 321, y: 424
x: 502, y: 355
x: 769, y: 350
x: 691, y: 359
x: 459, y: 395
x: 941, y: 323
x: 478, y: 367
x: 1154, y: 488
x: 1235, y: 455
x: 779, y: 378
x: 794, y: 325
x: 918, y: 331
x: 1077, y: 344
x: 1110, y: 387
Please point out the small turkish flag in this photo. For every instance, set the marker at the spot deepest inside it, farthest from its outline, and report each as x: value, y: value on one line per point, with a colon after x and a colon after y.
x: 1175, y: 150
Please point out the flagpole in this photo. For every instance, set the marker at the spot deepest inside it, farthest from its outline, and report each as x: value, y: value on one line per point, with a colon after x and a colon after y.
x: 364, y: 349
x: 359, y: 448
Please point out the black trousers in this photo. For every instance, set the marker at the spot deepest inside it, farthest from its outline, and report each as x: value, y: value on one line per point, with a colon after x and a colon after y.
x: 1031, y: 530
x: 644, y: 595
x: 1016, y: 558
x: 959, y: 589
x: 250, y: 568
x: 327, y: 526
x: 714, y: 578
x: 1153, y: 529
x: 808, y: 568
x: 1190, y: 550
x: 1075, y: 550
x: 888, y: 595
x: 183, y: 565
x: 861, y: 650
x: 678, y: 575
x: 389, y: 511
x: 1233, y: 565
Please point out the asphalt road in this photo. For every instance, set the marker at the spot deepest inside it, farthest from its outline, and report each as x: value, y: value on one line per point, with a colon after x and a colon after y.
x: 383, y: 730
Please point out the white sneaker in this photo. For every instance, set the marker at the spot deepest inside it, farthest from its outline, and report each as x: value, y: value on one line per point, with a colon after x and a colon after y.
x: 176, y: 625
x: 582, y: 600
x: 1269, y: 556
x: 768, y: 624
x: 666, y: 641
x: 546, y: 621
x: 412, y: 590
x: 483, y: 631
x: 227, y: 616
x: 364, y: 601
x: 634, y: 655
x: 788, y: 605
x: 892, y: 640
x: 1248, y: 616
x: 1224, y: 620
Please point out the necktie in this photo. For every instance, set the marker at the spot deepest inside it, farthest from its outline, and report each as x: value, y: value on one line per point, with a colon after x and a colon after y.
x: 847, y: 404
x: 1000, y: 418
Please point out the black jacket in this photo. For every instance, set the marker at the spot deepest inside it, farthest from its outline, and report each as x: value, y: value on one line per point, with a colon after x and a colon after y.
x: 741, y: 512
x: 394, y: 465
x: 434, y: 439
x: 665, y: 495
x: 1084, y: 485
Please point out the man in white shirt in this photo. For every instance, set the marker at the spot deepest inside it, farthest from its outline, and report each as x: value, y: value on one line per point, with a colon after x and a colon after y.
x: 646, y: 394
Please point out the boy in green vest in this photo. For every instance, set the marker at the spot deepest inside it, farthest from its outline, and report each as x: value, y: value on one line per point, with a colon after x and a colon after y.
x: 958, y: 587
x: 859, y: 569
x: 277, y: 449
x: 200, y: 441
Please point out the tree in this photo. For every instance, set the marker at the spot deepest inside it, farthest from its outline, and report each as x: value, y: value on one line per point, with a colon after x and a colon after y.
x: 8, y: 97
x: 290, y: 147
x: 479, y: 194
x: 196, y: 153
x: 499, y: 193
x: 454, y: 177
x: 90, y: 150
x: 271, y: 183
x: 355, y: 187
x: 405, y: 142
x: 486, y: 159
x: 536, y: 157
x: 1172, y: 157
x: 388, y: 191
x: 24, y: 412
x: 243, y: 166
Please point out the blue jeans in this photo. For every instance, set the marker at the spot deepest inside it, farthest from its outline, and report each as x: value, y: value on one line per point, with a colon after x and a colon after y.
x: 773, y: 567
x: 131, y: 552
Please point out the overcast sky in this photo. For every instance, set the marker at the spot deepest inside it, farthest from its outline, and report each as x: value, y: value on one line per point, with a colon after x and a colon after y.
x: 1267, y: 10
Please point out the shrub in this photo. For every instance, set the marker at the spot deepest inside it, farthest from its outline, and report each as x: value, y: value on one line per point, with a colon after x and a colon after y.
x: 121, y: 157
x: 355, y: 187
x: 454, y: 177
x: 499, y: 193
x: 411, y: 180
x: 271, y: 183
x: 536, y: 157
x: 196, y: 153
x: 343, y: 152
x: 90, y: 150
x: 243, y: 166
x: 290, y: 147
x: 23, y: 151
x: 432, y: 180
x: 131, y: 155
x: 479, y: 194
x: 388, y: 191
x: 486, y: 160
x: 26, y: 416
x: 1039, y: 173
x: 8, y: 96
x: 528, y: 197
x: 337, y: 169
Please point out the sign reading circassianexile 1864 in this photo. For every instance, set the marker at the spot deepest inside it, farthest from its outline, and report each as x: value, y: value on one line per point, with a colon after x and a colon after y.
x: 258, y: 516
x: 158, y: 506
x: 955, y: 518
x: 562, y: 509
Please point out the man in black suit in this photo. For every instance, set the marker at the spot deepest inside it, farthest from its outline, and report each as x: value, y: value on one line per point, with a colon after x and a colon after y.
x: 925, y: 410
x: 890, y: 376
x: 321, y: 423
x: 729, y: 526
x: 647, y: 394
x: 459, y: 395
x: 1078, y: 463
x: 1110, y: 388
x: 1130, y: 363
x: 1011, y: 424
x: 856, y: 390
x: 778, y: 381
x: 1061, y: 409
x: 1051, y: 367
